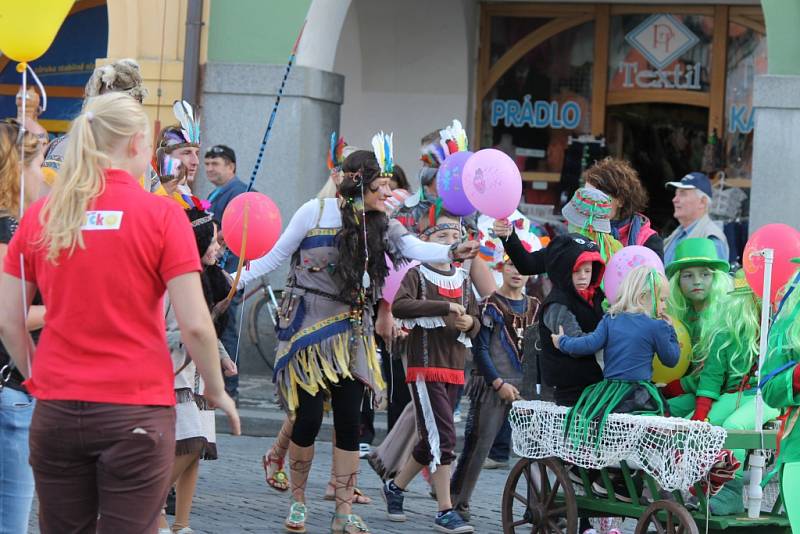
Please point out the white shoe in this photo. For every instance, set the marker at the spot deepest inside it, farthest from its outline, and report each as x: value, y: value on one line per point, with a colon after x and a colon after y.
x: 363, y: 450
x: 164, y: 531
x: 185, y: 530
x: 457, y: 416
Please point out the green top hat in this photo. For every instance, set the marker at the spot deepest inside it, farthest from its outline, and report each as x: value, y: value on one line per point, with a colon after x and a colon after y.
x: 696, y: 252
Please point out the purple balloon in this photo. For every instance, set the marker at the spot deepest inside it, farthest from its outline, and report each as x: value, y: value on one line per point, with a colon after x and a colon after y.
x: 449, y: 185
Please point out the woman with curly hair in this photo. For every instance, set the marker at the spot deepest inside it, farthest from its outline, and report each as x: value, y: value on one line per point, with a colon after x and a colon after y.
x: 16, y: 404
x: 617, y: 179
x: 326, y: 348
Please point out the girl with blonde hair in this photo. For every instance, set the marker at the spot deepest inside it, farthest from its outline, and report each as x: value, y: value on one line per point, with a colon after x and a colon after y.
x: 102, y: 438
x: 635, y: 327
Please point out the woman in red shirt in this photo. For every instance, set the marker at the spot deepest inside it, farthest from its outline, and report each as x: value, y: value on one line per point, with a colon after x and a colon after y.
x: 102, y: 252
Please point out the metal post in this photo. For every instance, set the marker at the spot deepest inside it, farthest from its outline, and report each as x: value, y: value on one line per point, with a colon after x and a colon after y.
x: 757, y: 459
x: 191, y: 53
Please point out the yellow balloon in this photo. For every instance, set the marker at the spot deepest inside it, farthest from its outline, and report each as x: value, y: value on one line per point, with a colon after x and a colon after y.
x: 28, y: 27
x: 663, y: 374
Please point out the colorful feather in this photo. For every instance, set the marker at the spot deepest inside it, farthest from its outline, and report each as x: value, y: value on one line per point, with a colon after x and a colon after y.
x: 189, y: 125
x: 382, y: 146
x: 336, y: 152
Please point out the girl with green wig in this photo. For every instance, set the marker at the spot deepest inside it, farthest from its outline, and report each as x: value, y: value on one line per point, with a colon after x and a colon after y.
x: 780, y: 385
x: 698, y: 282
x: 727, y: 355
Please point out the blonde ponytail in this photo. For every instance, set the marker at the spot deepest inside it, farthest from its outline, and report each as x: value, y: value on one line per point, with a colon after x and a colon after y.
x: 107, y: 122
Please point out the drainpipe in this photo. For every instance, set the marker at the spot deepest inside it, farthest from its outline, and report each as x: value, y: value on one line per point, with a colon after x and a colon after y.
x: 191, y: 54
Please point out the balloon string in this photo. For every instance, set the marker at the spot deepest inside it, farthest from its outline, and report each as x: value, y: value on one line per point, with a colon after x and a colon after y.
x: 21, y: 141
x: 41, y: 89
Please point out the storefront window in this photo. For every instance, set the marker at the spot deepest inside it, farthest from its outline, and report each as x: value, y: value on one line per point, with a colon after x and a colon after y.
x: 747, y: 58
x: 507, y: 31
x: 542, y: 100
x: 660, y: 51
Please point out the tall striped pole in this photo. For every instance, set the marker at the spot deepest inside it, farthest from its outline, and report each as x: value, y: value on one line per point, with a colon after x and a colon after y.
x: 265, y: 139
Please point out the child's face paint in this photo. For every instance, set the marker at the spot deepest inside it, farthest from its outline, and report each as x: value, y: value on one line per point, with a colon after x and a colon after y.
x: 512, y: 278
x: 445, y: 237
x: 695, y: 283
x: 582, y: 276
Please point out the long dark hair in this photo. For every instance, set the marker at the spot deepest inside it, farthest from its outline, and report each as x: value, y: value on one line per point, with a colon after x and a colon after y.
x: 215, y: 284
x: 360, y: 169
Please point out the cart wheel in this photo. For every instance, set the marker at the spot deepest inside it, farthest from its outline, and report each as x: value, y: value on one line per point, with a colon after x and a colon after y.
x: 666, y: 517
x: 539, y: 493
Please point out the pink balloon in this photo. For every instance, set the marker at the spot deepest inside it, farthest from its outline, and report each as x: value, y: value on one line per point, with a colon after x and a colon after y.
x: 395, y: 277
x: 623, y: 262
x: 785, y: 241
x: 492, y: 183
x: 263, y: 226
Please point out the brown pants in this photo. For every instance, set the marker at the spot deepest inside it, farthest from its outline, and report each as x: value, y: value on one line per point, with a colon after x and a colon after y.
x: 441, y: 399
x: 108, y: 460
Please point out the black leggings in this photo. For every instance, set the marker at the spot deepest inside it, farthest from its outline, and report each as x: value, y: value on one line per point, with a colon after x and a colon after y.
x: 346, y: 399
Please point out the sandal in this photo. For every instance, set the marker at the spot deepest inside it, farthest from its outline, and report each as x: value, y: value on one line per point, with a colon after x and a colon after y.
x: 358, y: 496
x: 278, y: 479
x: 353, y: 524
x: 296, y: 520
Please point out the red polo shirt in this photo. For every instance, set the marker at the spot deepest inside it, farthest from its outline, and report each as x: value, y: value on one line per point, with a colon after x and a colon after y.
x: 104, y: 338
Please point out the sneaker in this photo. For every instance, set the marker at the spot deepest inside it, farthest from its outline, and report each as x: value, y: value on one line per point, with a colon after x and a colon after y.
x: 488, y: 463
x: 451, y: 522
x: 457, y: 419
x: 394, y: 502
x: 363, y: 450
x: 463, y: 511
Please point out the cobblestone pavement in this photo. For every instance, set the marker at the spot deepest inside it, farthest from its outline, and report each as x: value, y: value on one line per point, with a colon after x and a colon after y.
x: 232, y: 496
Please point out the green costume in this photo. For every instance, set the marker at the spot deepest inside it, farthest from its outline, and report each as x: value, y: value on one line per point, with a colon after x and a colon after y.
x: 779, y: 391
x: 695, y: 252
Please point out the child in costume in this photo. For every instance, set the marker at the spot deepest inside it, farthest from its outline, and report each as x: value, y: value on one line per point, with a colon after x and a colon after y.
x: 635, y: 327
x: 495, y: 381
x: 435, y: 302
x: 589, y: 213
x: 195, y: 435
x: 698, y: 282
x: 726, y: 385
x: 780, y: 385
x: 573, y: 306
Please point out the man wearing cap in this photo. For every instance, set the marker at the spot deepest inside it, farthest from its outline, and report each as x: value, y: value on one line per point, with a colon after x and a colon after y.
x: 220, y: 162
x: 691, y: 201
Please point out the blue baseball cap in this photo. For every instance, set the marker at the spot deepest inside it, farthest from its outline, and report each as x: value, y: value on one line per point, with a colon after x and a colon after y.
x: 693, y: 180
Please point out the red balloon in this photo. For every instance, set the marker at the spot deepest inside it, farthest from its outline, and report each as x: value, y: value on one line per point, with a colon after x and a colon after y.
x: 263, y: 226
x: 785, y: 241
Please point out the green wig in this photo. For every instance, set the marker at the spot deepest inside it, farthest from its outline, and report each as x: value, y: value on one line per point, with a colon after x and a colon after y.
x: 681, y: 308
x: 784, y: 336
x: 735, y: 331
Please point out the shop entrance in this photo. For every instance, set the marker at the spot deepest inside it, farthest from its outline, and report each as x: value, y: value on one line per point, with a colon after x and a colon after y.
x: 663, y: 142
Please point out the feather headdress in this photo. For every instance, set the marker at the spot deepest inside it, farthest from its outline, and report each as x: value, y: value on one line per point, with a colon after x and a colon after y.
x: 336, y: 152
x: 384, y: 152
x: 188, y: 134
x: 452, y: 139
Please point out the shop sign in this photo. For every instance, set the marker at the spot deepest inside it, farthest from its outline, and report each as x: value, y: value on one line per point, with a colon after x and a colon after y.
x: 661, y: 39
x: 538, y: 114
x: 741, y: 119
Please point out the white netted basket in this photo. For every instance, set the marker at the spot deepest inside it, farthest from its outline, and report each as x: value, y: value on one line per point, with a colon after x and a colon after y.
x: 675, y: 452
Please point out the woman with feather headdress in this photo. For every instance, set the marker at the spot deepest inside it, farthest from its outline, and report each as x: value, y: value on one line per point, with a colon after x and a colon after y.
x: 326, y: 346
